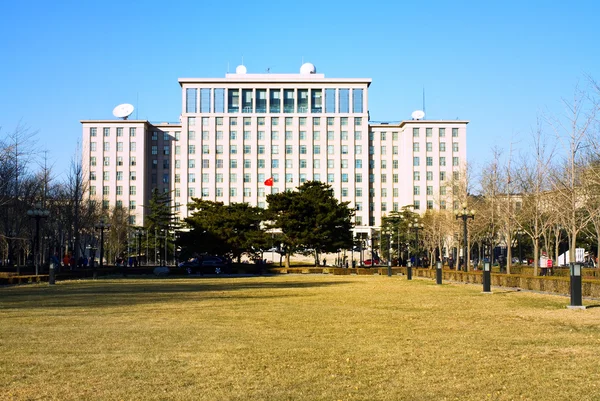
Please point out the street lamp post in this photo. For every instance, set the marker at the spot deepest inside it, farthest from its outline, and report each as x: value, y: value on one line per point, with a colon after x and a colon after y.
x: 465, y: 215
x: 389, y: 236
x: 416, y: 226
x: 37, y: 213
x: 92, y: 250
x: 139, y: 246
x: 101, y: 226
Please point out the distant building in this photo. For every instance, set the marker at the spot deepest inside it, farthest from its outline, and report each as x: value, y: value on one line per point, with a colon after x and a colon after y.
x: 236, y: 132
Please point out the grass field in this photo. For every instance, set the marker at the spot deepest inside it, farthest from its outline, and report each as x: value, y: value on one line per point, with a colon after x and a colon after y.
x: 297, y: 337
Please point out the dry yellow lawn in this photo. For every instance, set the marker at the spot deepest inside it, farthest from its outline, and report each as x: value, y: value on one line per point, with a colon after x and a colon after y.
x: 293, y: 338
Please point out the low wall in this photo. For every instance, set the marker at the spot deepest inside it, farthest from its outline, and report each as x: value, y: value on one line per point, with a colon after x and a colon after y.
x: 553, y: 284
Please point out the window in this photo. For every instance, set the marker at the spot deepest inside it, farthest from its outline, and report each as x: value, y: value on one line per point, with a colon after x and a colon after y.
x: 191, y: 163
x: 428, y: 146
x: 288, y: 100
x: 429, y: 204
x: 429, y: 161
x: 275, y: 101
x: 358, y: 178
x: 317, y: 149
x: 275, y: 163
x: 275, y: 149
x: 247, y: 149
x: 132, y: 175
x: 166, y: 150
x: 416, y: 147
x: 344, y: 100
x: 106, y: 161
x: 233, y: 149
x: 316, y: 121
x: 233, y: 135
x: 442, y: 132
x: 442, y: 146
x: 119, y: 176
x: 416, y: 161
x: 428, y: 132
x: 191, y: 100
x: 205, y: 150
x: 132, y: 131
x: 177, y: 149
x: 247, y: 163
x: 415, y: 132
x: 442, y: 190
x: 455, y: 146
x: 93, y: 131
x: 191, y: 149
x: 105, y: 190
x: 106, y: 131
x: 417, y: 205
x: 344, y: 177
x: 330, y: 177
x: 357, y: 100
x: 303, y: 163
x: 289, y: 163
x: 429, y: 190
x: 454, y: 132
x: 289, y: 135
x: 455, y: 161
x: 205, y: 177
x: 358, y: 163
x: 429, y: 175
x: 442, y: 176
x: 106, y: 146
x: 358, y: 149
x: 358, y: 135
x: 330, y: 100
x: 442, y: 161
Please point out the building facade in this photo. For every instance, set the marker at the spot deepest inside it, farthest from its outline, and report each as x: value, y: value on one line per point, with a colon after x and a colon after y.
x: 237, y: 132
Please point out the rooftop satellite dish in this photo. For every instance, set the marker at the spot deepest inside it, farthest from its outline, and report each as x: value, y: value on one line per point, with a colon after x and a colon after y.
x: 123, y: 111
x: 240, y: 69
x: 418, y: 115
x: 308, y: 68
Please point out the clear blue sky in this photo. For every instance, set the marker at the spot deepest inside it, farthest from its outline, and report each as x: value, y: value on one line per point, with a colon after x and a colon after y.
x: 497, y: 63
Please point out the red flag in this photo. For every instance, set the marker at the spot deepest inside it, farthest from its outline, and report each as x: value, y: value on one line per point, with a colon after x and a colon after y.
x: 269, y: 182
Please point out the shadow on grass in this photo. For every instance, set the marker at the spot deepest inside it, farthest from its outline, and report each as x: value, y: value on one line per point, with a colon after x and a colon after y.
x: 117, y: 292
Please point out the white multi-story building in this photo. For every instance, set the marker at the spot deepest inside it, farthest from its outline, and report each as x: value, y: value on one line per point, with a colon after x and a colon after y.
x: 237, y: 132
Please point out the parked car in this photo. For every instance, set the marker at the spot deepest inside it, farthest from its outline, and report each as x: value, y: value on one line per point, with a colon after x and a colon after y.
x: 369, y: 262
x: 190, y: 266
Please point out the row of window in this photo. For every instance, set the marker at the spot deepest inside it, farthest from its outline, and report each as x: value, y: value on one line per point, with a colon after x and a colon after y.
x: 275, y: 163
x: 429, y: 132
x: 441, y: 161
x: 429, y: 147
x: 106, y: 131
x: 275, y: 100
x: 247, y: 121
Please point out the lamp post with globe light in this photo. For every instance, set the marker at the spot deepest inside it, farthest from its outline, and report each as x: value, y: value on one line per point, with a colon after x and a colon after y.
x: 465, y: 215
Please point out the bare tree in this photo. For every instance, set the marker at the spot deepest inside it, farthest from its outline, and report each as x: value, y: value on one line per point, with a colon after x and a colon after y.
x: 572, y: 131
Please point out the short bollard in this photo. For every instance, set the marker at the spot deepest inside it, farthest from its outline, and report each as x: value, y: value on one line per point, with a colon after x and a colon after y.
x: 438, y: 272
x: 409, y: 271
x: 487, y: 277
x: 51, y: 275
x: 576, y: 296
